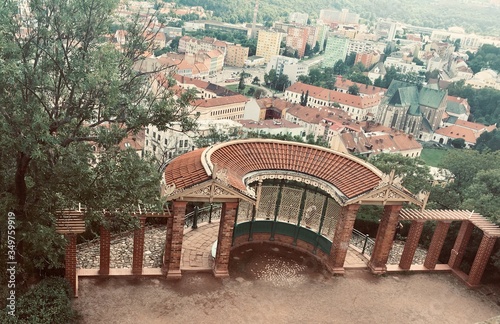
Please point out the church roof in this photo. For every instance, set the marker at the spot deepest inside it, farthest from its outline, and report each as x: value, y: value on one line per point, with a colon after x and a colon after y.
x: 431, y: 97
x: 455, y: 107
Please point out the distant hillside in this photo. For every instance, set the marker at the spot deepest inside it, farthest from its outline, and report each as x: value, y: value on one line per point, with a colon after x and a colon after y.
x: 479, y: 16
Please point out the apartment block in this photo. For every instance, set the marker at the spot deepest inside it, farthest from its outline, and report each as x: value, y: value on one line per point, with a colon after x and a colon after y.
x: 335, y: 50
x: 236, y: 55
x: 268, y: 44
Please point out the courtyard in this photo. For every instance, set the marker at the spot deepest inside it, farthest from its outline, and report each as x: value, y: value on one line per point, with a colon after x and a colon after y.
x: 273, y: 286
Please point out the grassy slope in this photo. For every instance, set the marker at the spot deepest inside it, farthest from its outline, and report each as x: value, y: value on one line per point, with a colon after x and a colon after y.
x: 433, y: 157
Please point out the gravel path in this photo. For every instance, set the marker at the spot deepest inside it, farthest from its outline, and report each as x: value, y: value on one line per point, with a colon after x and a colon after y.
x: 268, y: 287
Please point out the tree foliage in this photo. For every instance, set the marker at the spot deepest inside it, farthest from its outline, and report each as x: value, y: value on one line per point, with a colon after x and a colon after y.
x: 415, y: 172
x: 484, y: 103
x: 469, y: 168
x: 486, y: 57
x: 67, y: 98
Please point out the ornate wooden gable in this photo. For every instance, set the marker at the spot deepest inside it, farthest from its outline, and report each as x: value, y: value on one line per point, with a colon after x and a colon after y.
x: 216, y: 189
x: 390, y: 192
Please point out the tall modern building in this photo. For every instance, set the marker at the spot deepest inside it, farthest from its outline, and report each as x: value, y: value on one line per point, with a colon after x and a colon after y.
x: 335, y: 16
x: 336, y: 49
x: 268, y: 44
x: 298, y: 18
x: 297, y: 39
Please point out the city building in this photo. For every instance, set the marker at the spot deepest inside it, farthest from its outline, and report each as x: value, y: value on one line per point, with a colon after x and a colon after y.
x: 359, y: 107
x: 368, y: 59
x: 297, y: 39
x: 268, y: 44
x: 485, y: 79
x: 236, y: 55
x: 340, y: 17
x: 414, y: 111
x: 403, y: 66
x: 369, y: 143
x: 462, y: 129
x: 271, y: 127
x: 298, y: 18
x: 288, y: 66
x: 335, y: 50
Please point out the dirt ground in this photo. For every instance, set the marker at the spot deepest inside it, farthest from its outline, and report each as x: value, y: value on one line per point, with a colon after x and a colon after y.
x: 277, y: 286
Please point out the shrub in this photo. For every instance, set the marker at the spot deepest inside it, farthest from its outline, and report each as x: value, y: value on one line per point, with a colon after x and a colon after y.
x: 46, y: 302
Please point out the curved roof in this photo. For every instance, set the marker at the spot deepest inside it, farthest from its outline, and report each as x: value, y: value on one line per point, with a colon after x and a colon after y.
x: 350, y: 175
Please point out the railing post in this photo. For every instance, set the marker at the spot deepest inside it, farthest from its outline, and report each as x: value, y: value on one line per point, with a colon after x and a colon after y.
x: 364, y: 245
x: 210, y: 216
x: 195, y: 218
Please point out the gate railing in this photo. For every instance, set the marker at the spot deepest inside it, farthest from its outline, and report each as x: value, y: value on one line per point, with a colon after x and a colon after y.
x: 363, y: 242
x: 200, y: 215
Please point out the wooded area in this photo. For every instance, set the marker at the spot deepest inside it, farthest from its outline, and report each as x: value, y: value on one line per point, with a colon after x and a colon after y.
x: 478, y: 17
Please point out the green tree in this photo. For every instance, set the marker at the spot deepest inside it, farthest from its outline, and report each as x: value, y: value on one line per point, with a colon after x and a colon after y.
x: 350, y: 59
x: 340, y: 68
x: 241, y: 84
x: 354, y: 90
x: 415, y: 173
x: 67, y: 99
x: 174, y: 44
x: 256, y: 80
x: 458, y: 143
x: 308, y: 51
x: 482, y: 195
x: 316, y: 48
x: 489, y: 141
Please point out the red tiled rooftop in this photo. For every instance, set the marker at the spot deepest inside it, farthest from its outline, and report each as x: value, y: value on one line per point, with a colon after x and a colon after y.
x: 349, y: 175
x: 186, y: 170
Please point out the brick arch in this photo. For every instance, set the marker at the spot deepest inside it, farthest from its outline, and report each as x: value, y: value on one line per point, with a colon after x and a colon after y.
x: 350, y: 175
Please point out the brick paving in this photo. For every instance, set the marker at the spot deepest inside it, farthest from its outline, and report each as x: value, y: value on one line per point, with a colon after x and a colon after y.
x: 197, y: 247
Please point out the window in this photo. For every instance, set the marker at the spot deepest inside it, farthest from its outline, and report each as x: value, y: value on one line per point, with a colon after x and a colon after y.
x: 154, y: 135
x: 154, y: 148
x: 159, y: 137
x: 166, y: 142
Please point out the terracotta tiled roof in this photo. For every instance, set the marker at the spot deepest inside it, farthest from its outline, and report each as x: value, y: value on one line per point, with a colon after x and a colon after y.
x: 344, y: 84
x: 186, y: 170
x: 455, y: 131
x: 348, y: 174
x: 335, y: 96
x: 276, y: 103
x: 405, y: 142
x: 470, y: 125
x: 221, y: 101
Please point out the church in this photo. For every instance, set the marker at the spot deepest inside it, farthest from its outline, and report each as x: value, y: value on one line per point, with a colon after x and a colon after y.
x: 413, y: 109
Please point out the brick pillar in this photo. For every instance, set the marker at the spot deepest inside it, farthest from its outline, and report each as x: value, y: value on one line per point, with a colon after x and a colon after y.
x: 138, y: 257
x: 174, y: 262
x: 104, y: 250
x: 168, y: 244
x: 458, y: 251
x: 411, y: 244
x: 436, y: 244
x: 343, y: 233
x: 384, y: 239
x: 224, y: 239
x: 481, y: 260
x: 70, y: 263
